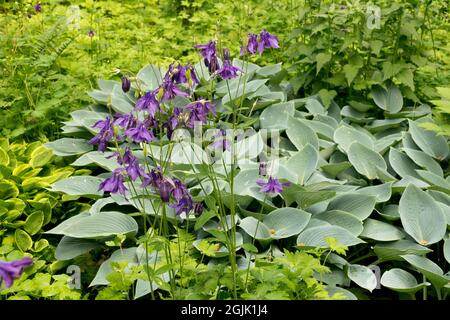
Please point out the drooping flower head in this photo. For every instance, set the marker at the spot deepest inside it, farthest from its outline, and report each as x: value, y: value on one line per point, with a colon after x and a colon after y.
x: 134, y: 170
x: 184, y: 205
x: 91, y: 33
x: 140, y: 133
x: 228, y: 71
x: 209, y: 54
x: 198, y: 112
x: 266, y: 41
x: 220, y: 142
x: 38, y: 7
x: 207, y: 51
x: 9, y: 271
x: 114, y: 184
x: 170, y: 90
x: 148, y: 103
x: 176, y: 74
x: 191, y: 76
x: 252, y: 43
x: 153, y: 178
x: 125, y: 120
x: 272, y: 186
x: 263, y: 169
x: 126, y: 84
x: 105, y: 135
x: 198, y: 208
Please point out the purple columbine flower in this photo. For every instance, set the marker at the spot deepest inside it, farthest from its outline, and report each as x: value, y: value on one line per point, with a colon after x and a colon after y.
x: 170, y: 90
x: 263, y: 169
x: 166, y: 188
x: 220, y: 142
x: 198, y: 208
x: 252, y: 43
x: 266, y: 41
x: 153, y: 178
x: 114, y: 184
x: 9, y: 271
x: 179, y: 190
x: 272, y: 186
x: 191, y: 76
x: 134, y: 170
x: 91, y: 33
x: 198, y: 112
x: 126, y: 84
x: 105, y: 135
x: 184, y: 205
x: 228, y: 71
x: 140, y: 133
x: 126, y: 120
x: 176, y: 74
x: 37, y: 7
x: 208, y: 51
x: 149, y: 103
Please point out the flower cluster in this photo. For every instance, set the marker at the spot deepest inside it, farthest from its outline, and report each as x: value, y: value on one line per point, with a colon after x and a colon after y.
x: 153, y: 116
x: 13, y: 270
x: 272, y: 186
x: 266, y: 41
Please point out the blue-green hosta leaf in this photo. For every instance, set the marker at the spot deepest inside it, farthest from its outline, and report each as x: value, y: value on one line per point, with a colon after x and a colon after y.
x: 68, y: 147
x: 186, y: 153
x: 390, y: 212
x: 345, y: 135
x: 342, y: 219
x: 429, y: 269
x: 316, y: 236
x: 435, y: 181
x: 238, y: 92
x: 268, y: 71
x: 348, y: 295
x: 99, y: 204
x: 361, y: 206
x: 303, y: 163
x: 394, y: 250
x: 334, y: 169
x: 362, y: 276
x: 323, y: 130
x: 382, y: 125
x: 279, y: 224
x: 425, y: 161
x: 151, y: 77
x: 380, y: 231
x: 366, y: 161
x: 277, y: 115
x: 105, y: 224
x: 446, y: 250
x: 381, y: 192
x: 314, y: 106
x: 389, y: 99
x: 422, y: 218
x: 79, y: 186
x: 121, y: 101
x: 126, y: 255
x: 430, y: 143
x: 354, y: 116
x: 286, y: 222
x: 401, y: 281
x: 402, y: 164
x: 102, y: 159
x: 401, y: 185
x: 69, y: 248
x: 87, y: 118
x: 300, y: 134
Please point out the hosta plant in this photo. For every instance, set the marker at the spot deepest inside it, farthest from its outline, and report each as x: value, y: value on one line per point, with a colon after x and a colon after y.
x: 217, y: 150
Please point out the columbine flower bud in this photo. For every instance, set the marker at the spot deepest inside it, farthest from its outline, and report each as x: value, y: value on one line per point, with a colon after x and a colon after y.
x: 126, y: 84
